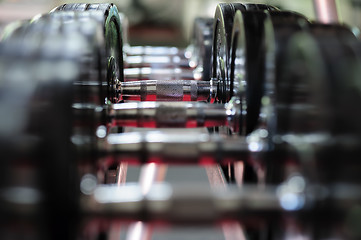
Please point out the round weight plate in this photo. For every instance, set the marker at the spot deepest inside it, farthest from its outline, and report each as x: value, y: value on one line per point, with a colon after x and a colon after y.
x: 222, y: 30
x: 247, y: 77
x: 41, y: 61
x: 320, y: 71
x: 278, y: 30
x: 248, y: 65
x: 91, y: 90
x: 301, y: 87
x: 238, y: 66
x: 342, y: 93
x: 222, y: 27
x: 43, y: 105
x: 202, y: 44
x: 339, y: 59
x: 113, y: 39
x: 222, y: 38
x: 260, y: 7
x: 278, y: 27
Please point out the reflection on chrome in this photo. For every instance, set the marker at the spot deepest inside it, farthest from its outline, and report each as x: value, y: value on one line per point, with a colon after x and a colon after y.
x: 291, y: 193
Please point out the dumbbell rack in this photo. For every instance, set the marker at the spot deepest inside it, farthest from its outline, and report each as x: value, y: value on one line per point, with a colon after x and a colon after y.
x: 229, y: 138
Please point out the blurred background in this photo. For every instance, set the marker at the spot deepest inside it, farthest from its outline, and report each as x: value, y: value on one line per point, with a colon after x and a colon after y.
x: 169, y: 22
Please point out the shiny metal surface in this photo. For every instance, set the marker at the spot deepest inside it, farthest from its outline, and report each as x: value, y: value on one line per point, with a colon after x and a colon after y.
x: 171, y: 114
x: 165, y: 90
x: 326, y: 11
x: 262, y: 143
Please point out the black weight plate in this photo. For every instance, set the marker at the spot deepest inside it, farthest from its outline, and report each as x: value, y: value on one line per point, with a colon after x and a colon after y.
x: 283, y: 26
x: 113, y: 40
x: 248, y: 65
x: 231, y: 36
x: 222, y: 38
x: 250, y: 54
x: 260, y: 7
x: 322, y: 69
x: 342, y: 66
x: 40, y: 61
x: 238, y: 66
x: 302, y: 87
x: 43, y: 106
x: 340, y: 63
x: 279, y: 27
x: 223, y: 22
x: 91, y: 89
x: 202, y: 44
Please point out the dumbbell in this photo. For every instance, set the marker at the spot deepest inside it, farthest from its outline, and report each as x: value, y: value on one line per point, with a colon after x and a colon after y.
x: 82, y: 7
x: 199, y: 57
x: 284, y: 78
x: 86, y: 107
x: 224, y: 16
x: 112, y: 27
x: 221, y: 62
x: 130, y: 73
x: 130, y: 112
x: 176, y: 91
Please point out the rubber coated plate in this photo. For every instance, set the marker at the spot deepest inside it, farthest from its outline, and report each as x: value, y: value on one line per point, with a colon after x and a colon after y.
x: 113, y: 40
x: 40, y: 62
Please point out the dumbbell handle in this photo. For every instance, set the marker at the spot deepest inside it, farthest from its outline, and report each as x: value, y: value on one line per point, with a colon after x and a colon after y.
x: 191, y: 203
x: 174, y: 114
x: 154, y: 51
x: 198, y: 203
x: 156, y: 61
x: 178, y: 147
x: 147, y: 73
x: 166, y: 90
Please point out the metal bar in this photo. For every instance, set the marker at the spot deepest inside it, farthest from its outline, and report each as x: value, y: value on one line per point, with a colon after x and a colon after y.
x: 155, y: 51
x: 326, y: 11
x: 170, y: 114
x: 147, y: 73
x: 178, y: 148
x: 198, y: 203
x: 165, y: 90
x: 156, y: 61
x: 188, y: 204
